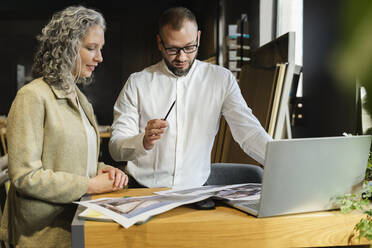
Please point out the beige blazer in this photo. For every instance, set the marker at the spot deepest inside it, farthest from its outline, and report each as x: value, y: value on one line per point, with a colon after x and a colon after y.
x: 47, y: 165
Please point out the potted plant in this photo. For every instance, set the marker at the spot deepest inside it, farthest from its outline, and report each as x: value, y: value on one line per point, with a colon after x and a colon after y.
x: 362, y: 202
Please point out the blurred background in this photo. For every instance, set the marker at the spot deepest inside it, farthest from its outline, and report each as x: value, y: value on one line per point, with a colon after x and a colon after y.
x: 323, y: 33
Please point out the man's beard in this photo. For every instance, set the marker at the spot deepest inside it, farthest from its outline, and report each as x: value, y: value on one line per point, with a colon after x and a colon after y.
x: 176, y: 71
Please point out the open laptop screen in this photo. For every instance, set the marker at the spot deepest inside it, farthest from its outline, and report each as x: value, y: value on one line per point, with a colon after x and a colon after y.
x: 303, y: 175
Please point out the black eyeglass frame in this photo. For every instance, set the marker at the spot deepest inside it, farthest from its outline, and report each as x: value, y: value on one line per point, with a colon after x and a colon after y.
x: 167, y: 49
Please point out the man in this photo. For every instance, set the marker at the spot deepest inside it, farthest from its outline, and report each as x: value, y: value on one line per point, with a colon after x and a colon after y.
x: 176, y: 152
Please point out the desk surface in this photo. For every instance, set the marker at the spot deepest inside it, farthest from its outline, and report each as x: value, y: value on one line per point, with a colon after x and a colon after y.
x: 104, y: 131
x: 222, y: 227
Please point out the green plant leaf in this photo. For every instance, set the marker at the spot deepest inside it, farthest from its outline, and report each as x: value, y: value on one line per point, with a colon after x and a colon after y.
x: 361, y: 201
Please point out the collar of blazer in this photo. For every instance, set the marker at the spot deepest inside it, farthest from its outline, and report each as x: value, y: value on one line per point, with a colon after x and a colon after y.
x: 60, y: 93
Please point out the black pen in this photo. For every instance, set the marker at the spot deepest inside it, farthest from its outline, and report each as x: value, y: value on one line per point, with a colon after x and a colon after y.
x: 165, y: 118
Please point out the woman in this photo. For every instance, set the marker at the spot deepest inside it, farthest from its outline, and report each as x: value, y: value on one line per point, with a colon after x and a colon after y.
x: 53, y: 137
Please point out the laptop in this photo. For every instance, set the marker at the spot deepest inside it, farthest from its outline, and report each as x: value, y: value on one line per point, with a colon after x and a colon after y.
x: 306, y: 175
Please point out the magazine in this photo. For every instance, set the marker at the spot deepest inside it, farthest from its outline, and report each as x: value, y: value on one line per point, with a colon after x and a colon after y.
x: 91, y: 214
x: 236, y: 192
x: 128, y: 211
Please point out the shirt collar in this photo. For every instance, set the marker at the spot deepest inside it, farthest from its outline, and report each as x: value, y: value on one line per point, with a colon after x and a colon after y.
x: 167, y: 71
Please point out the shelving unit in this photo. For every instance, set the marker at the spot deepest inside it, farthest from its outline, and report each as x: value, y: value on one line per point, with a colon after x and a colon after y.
x: 237, y: 45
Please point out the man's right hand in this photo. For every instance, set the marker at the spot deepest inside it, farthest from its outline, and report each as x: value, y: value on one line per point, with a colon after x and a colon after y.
x: 153, y: 131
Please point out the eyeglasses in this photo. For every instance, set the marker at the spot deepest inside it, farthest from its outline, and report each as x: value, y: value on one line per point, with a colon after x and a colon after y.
x: 176, y: 50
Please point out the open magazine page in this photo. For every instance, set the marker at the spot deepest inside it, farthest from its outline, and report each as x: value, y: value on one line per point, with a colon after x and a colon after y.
x: 247, y: 191
x: 202, y: 190
x: 91, y: 214
x: 130, y: 210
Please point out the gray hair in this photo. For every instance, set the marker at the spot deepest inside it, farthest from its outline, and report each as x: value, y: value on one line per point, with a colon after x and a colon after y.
x: 59, y: 45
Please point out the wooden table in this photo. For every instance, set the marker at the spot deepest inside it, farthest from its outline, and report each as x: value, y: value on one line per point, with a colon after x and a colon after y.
x: 104, y: 131
x: 105, y: 135
x: 3, y: 141
x: 222, y: 227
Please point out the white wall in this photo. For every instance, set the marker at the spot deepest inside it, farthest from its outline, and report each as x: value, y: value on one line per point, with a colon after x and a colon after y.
x: 266, y: 21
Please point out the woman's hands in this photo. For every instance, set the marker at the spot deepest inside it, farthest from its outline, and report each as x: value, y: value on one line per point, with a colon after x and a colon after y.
x: 119, y: 177
x: 108, y: 179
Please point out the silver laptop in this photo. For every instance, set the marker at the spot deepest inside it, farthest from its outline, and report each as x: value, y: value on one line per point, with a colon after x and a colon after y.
x: 305, y: 175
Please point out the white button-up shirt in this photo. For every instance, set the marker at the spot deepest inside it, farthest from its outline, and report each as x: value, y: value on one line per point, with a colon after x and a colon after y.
x: 182, y: 157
